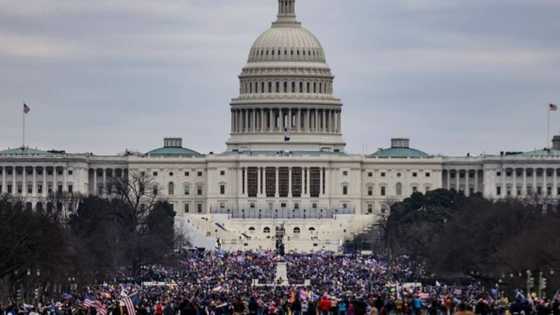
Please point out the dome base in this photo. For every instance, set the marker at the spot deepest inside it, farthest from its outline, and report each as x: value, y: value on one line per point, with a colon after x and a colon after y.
x: 278, y: 142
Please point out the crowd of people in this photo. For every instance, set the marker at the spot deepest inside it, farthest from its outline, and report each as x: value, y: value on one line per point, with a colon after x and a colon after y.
x: 218, y: 283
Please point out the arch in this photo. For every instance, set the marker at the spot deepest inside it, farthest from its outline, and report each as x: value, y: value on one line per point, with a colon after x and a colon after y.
x: 252, y: 229
x: 297, y: 230
x: 266, y: 230
x: 312, y: 230
x: 171, y: 188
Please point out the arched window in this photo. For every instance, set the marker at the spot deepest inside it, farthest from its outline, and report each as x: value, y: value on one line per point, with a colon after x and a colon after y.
x: 285, y: 87
x: 370, y: 190
x: 301, y: 87
x: 314, y: 87
x: 222, y: 189
x: 297, y: 230
x: 308, y: 87
x: 312, y: 230
x: 262, y: 87
x: 277, y: 87
x: 171, y: 189
x: 345, y: 189
x: 269, y: 87
x: 252, y: 229
x: 187, y: 189
x: 266, y: 230
x: 398, y: 189
x: 293, y: 87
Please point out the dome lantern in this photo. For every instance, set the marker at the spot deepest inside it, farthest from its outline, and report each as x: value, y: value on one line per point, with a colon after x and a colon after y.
x: 286, y: 13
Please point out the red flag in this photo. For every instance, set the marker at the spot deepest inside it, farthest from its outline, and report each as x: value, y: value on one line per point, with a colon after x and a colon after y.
x: 26, y: 109
x: 553, y: 107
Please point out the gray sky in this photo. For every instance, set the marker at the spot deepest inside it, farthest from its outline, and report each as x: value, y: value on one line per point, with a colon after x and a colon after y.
x: 455, y: 76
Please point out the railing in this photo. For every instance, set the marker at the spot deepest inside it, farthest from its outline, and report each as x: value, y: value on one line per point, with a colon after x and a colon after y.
x: 283, y: 213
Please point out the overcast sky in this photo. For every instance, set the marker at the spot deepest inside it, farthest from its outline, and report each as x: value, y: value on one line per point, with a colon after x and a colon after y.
x: 455, y: 76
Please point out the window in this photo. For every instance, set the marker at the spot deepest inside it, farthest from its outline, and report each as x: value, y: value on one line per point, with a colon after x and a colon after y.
x: 155, y: 190
x: 549, y: 191
x: 414, y: 174
x: 314, y: 206
x: 370, y: 208
x: 398, y: 189
x: 171, y: 174
x: 222, y: 189
x: 187, y: 208
x: 345, y: 173
x: 428, y: 174
x: 187, y: 188
x: 222, y: 173
x: 29, y: 188
x: 155, y: 174
x: 370, y: 190
x: 345, y: 189
x: 199, y: 208
x: 199, y: 174
x: 344, y: 206
x: 199, y: 190
x: 171, y: 189
x: 498, y: 174
x: 399, y: 174
x: 141, y: 189
x: 187, y: 174
x: 266, y: 230
x: 70, y: 189
x: 383, y: 174
x: 297, y: 230
x: 222, y: 205
x: 498, y: 191
x: 383, y: 191
x: 283, y: 205
x: 414, y: 189
x: 70, y: 172
x: 370, y: 174
x: 39, y: 188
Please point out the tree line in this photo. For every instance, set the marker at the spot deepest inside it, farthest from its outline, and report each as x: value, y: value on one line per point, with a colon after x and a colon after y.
x: 459, y: 237
x: 100, y: 239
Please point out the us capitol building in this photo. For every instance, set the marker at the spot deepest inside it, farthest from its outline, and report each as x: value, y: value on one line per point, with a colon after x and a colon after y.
x: 285, y: 164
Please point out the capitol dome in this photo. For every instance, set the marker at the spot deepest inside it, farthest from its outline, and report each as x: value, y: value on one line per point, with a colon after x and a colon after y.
x: 286, y: 96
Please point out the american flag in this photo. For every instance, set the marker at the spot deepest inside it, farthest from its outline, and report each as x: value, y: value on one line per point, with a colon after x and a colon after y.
x: 99, y: 307
x: 26, y: 109
x: 128, y: 303
x: 552, y: 107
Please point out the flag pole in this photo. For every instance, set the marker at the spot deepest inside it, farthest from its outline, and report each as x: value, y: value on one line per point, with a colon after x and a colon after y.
x: 23, y: 128
x: 547, y: 127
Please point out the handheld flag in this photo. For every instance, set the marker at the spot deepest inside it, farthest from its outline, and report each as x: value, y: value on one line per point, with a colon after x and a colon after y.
x: 26, y: 109
x: 553, y: 107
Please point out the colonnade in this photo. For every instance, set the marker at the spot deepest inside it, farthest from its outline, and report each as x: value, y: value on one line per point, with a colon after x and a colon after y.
x: 299, y: 120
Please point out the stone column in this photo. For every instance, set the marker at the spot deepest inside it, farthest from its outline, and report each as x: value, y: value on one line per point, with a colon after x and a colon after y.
x: 321, y: 181
x: 299, y: 120
x: 524, y: 188
x: 104, y: 190
x: 263, y: 120
x: 324, y: 125
x: 45, y: 188
x: 14, y: 181
x: 259, y: 179
x: 476, y: 188
x: 34, y: 189
x: 95, y: 182
x: 4, y: 189
x: 290, y: 125
x: 289, y: 182
x: 467, y: 187
x: 554, y: 183
x: 55, y: 184
x: 65, y: 181
x: 514, y: 181
x: 458, y: 180
x: 271, y: 120
x: 303, y: 182
x: 277, y: 191
x: 24, y: 181
x: 534, y: 181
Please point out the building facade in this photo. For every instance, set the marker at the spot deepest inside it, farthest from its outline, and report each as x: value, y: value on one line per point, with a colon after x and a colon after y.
x: 285, y: 167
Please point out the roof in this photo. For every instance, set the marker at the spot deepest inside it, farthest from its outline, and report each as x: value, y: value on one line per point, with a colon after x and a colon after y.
x: 25, y: 152
x: 173, y: 152
x: 541, y: 153
x: 399, y: 153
